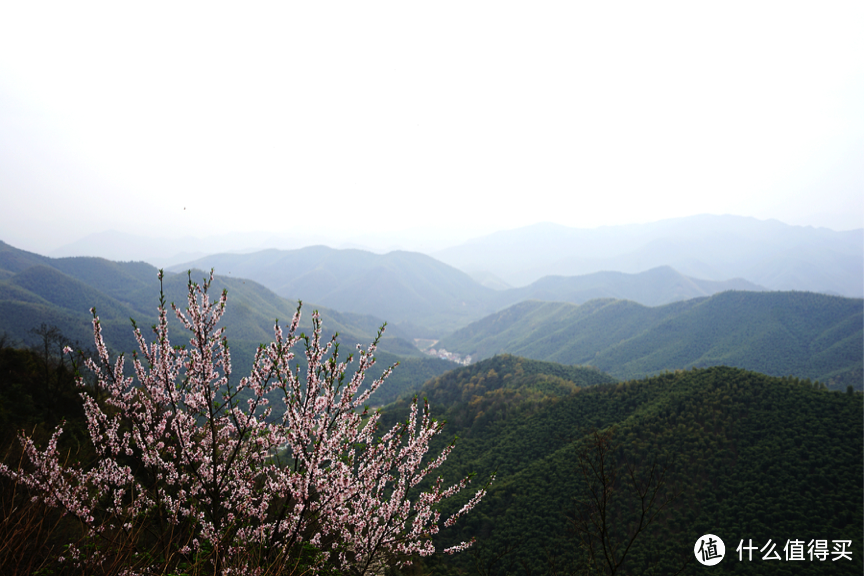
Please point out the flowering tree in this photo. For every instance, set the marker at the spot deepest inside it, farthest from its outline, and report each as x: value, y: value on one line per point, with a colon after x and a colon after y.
x: 186, y: 474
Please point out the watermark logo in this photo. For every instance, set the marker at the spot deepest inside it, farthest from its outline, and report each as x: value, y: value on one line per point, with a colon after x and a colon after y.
x: 709, y: 549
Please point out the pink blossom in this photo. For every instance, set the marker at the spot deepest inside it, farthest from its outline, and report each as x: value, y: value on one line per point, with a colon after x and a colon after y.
x: 182, y: 419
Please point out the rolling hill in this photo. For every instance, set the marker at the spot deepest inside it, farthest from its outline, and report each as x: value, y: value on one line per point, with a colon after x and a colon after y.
x: 808, y: 335
x: 745, y: 455
x: 59, y: 292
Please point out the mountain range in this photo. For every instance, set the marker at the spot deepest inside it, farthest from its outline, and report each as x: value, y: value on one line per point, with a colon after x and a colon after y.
x: 630, y: 325
x: 765, y: 252
x: 428, y: 299
x: 35, y: 289
x: 405, y: 288
x: 777, y: 333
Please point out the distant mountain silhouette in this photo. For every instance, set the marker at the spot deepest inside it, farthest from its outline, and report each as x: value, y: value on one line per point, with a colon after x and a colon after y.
x: 654, y: 287
x: 766, y: 252
x: 427, y: 298
x: 402, y: 287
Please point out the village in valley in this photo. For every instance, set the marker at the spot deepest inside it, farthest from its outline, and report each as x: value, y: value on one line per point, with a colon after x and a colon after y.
x: 426, y: 345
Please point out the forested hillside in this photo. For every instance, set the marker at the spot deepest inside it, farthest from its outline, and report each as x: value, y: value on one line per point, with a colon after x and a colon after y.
x: 59, y: 292
x: 488, y: 391
x: 745, y: 456
x: 808, y: 335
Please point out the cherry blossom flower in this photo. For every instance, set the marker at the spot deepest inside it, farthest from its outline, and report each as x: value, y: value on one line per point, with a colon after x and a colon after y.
x: 206, y: 445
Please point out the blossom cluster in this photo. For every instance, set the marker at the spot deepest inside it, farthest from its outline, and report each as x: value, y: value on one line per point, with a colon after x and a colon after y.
x: 184, y: 448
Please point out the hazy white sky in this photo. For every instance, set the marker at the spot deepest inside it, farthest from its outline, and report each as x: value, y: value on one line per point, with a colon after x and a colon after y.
x: 424, y: 118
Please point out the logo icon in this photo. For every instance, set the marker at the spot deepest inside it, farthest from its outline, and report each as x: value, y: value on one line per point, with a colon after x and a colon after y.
x: 709, y: 549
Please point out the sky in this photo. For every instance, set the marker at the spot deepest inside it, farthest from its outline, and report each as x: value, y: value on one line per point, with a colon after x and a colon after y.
x: 409, y: 121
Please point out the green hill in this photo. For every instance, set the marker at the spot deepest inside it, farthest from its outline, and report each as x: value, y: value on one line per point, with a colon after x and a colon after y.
x: 66, y: 292
x: 747, y: 456
x: 13, y: 260
x: 490, y: 390
x: 59, y: 292
x: 808, y: 335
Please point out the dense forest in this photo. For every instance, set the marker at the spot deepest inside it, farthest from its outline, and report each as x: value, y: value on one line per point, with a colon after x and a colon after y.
x: 745, y: 456
x: 734, y: 453
x: 37, y: 393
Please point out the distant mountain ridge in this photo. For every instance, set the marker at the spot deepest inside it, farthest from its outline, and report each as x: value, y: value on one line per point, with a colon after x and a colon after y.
x: 805, y: 334
x: 427, y: 298
x: 163, y: 252
x: 36, y: 289
x: 658, y: 286
x: 777, y: 333
x: 768, y: 253
x: 402, y: 287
